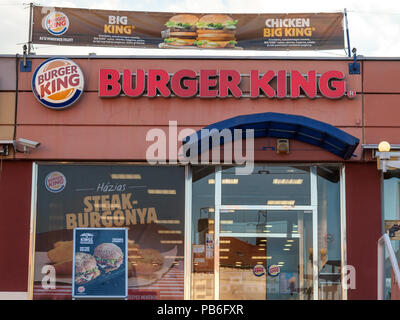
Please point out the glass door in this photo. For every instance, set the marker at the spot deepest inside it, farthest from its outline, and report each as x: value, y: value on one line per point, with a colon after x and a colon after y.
x: 266, y: 233
x: 265, y: 254
x: 253, y: 236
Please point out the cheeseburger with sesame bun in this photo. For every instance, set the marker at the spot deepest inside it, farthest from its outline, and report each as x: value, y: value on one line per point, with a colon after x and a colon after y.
x: 109, y: 256
x: 182, y: 30
x: 216, y: 31
x: 85, y: 268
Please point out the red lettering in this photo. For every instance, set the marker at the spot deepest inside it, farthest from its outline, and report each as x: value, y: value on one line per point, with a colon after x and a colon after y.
x: 229, y: 80
x: 74, y: 80
x: 40, y: 79
x: 108, y: 83
x: 308, y: 85
x: 281, y: 84
x: 44, y: 89
x: 184, y: 83
x: 158, y: 80
x: 257, y: 83
x: 127, y: 83
x: 332, y: 85
x: 206, y: 83
x: 62, y: 82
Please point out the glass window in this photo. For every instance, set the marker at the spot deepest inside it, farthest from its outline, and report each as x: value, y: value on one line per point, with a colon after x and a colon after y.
x: 329, y: 239
x: 259, y: 221
x: 148, y: 200
x: 203, y: 202
x: 391, y: 213
x: 276, y: 266
x: 267, y: 185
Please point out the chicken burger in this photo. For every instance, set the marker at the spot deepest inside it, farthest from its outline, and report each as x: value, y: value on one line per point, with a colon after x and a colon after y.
x: 85, y: 268
x: 109, y: 256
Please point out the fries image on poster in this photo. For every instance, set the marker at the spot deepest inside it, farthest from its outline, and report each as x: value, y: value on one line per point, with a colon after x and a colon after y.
x: 100, y: 263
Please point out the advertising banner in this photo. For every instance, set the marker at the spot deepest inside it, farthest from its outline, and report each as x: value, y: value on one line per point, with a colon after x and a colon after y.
x: 100, y: 263
x: 166, y: 30
x: 140, y: 198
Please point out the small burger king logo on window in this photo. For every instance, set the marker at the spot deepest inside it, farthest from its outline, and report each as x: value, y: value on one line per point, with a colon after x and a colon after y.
x: 55, y: 182
x: 58, y: 83
x: 274, y: 270
x: 258, y: 270
x: 56, y: 23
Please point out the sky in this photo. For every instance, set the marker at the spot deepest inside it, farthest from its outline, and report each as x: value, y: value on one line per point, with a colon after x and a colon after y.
x: 374, y: 26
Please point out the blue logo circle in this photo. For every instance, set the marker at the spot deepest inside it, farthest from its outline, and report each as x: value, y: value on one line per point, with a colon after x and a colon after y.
x: 58, y: 83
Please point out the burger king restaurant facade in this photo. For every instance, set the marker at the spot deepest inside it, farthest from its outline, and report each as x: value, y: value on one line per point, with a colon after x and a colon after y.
x: 112, y: 131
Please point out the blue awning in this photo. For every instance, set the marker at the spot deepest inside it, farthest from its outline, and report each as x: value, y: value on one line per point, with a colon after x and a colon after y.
x: 287, y: 126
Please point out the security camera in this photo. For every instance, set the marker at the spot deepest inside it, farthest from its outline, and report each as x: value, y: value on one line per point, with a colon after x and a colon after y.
x: 26, y: 144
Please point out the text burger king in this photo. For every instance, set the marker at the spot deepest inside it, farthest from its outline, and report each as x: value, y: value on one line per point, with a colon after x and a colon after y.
x: 58, y: 83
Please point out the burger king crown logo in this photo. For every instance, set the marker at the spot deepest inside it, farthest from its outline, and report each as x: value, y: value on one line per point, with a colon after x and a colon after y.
x: 56, y: 23
x: 55, y: 182
x: 274, y: 270
x: 258, y: 270
x: 58, y: 83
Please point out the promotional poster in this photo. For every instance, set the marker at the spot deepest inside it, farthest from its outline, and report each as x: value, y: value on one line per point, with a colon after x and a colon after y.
x: 100, y: 263
x: 141, y: 199
x: 166, y: 30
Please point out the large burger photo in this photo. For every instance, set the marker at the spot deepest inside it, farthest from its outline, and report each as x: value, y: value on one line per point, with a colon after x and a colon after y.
x: 181, y: 31
x: 85, y: 268
x: 216, y: 31
x: 109, y: 256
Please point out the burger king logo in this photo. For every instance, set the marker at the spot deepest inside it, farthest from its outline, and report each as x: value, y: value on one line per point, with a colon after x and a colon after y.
x: 274, y: 270
x: 81, y: 289
x: 56, y: 23
x: 258, y: 270
x: 55, y: 182
x: 58, y: 83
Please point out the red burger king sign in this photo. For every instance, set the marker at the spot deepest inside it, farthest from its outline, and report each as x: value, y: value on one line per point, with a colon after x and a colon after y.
x: 58, y: 83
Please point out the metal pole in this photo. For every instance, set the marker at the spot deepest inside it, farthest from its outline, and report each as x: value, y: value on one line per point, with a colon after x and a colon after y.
x: 385, y: 241
x: 380, y: 269
x: 188, y: 234
x: 347, y: 32
x: 218, y: 179
x: 30, y: 27
x: 343, y: 251
x: 314, y: 204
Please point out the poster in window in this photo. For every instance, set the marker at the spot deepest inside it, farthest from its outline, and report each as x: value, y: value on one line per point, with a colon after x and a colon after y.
x: 147, y: 200
x: 100, y: 263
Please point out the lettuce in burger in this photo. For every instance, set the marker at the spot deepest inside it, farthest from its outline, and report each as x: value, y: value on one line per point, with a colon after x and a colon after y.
x: 216, y: 31
x: 181, y: 30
